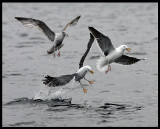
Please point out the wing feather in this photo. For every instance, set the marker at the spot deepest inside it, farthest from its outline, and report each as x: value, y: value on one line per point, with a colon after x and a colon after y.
x: 72, y: 23
x: 29, y: 22
x: 126, y: 60
x: 88, y: 49
x: 103, y: 41
x: 57, y: 81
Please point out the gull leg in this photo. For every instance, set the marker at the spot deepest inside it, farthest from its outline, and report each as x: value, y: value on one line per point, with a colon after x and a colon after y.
x: 110, y: 67
x: 59, y: 53
x: 59, y: 49
x: 84, y: 90
x: 54, y: 54
x: 107, y: 69
x: 90, y: 82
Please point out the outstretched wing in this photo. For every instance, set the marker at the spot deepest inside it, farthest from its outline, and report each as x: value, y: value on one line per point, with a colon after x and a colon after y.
x: 57, y: 81
x: 29, y: 22
x: 126, y: 60
x: 103, y: 41
x: 88, y: 49
x: 72, y: 23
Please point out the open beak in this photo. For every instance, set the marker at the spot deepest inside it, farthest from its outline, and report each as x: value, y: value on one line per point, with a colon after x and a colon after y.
x: 91, y: 71
x: 128, y: 49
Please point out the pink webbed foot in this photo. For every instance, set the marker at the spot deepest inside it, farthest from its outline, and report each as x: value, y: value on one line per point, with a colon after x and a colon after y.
x: 106, y: 71
x: 109, y: 69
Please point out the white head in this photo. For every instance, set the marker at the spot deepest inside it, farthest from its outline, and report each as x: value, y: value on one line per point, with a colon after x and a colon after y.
x: 86, y: 68
x: 124, y: 47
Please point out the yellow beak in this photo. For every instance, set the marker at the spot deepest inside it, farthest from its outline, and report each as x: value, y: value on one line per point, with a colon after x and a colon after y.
x: 91, y: 71
x: 128, y: 49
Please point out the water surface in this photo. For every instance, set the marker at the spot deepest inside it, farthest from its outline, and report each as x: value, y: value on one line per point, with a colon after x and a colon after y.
x: 126, y: 96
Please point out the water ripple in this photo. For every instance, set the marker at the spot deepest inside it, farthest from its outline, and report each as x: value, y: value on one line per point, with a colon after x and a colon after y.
x: 137, y: 53
x: 15, y: 74
x: 104, y: 91
x: 51, y: 103
x: 133, y: 43
x: 21, y: 46
x: 24, y: 35
x: 94, y: 57
x: 36, y: 38
x: 22, y: 123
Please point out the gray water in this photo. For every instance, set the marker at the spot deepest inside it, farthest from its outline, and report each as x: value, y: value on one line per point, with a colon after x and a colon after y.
x: 126, y: 96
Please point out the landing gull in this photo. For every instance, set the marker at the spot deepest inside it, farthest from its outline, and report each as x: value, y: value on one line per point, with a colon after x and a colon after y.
x: 78, y: 75
x: 111, y: 54
x: 56, y: 38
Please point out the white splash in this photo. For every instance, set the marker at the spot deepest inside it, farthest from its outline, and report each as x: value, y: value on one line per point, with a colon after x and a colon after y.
x: 48, y: 93
x: 58, y: 94
x: 43, y: 94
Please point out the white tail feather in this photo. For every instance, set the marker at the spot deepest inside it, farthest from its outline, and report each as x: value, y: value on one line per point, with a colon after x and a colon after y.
x: 101, y: 64
x: 45, y: 75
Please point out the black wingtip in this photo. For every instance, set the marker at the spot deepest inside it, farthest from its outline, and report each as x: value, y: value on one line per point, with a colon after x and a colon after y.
x: 90, y: 28
x: 16, y: 18
x: 91, y: 36
x: 47, y: 79
x: 78, y: 17
x: 19, y: 18
x: 94, y: 32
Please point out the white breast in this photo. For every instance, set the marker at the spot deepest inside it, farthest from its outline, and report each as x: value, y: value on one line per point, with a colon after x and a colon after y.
x: 115, y: 54
x: 103, y: 61
x: 59, y: 37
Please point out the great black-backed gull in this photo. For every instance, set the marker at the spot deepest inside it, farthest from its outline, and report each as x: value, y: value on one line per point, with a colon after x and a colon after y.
x: 110, y: 53
x: 56, y: 38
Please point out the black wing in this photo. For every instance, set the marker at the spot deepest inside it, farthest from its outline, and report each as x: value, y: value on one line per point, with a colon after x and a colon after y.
x: 57, y: 81
x: 88, y: 49
x: 103, y: 41
x: 29, y: 22
x: 126, y: 60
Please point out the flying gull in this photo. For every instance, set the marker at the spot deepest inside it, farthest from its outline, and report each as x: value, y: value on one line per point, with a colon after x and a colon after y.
x: 111, y: 54
x: 56, y: 38
x: 80, y: 74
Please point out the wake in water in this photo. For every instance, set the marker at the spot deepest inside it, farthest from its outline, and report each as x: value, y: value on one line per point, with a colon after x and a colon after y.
x: 52, y: 96
x: 48, y: 93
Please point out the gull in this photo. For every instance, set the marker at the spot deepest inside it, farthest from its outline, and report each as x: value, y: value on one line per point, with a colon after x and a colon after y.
x: 111, y: 54
x: 56, y: 38
x: 77, y: 76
